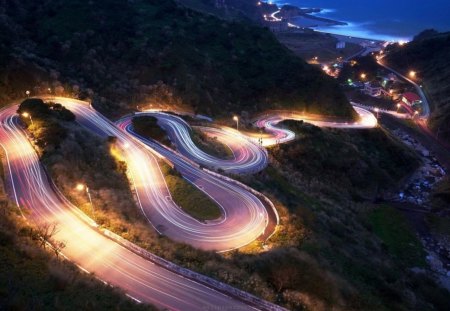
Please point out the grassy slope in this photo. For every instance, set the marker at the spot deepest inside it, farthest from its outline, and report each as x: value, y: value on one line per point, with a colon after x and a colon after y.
x: 364, y: 161
x: 355, y: 247
x: 211, y: 145
x: 192, y: 200
x: 33, y: 278
x: 430, y: 57
x: 324, y: 253
x: 167, y: 53
x: 398, y: 236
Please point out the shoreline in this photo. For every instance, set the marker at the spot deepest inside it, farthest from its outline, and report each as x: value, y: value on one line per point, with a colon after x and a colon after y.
x: 294, y: 13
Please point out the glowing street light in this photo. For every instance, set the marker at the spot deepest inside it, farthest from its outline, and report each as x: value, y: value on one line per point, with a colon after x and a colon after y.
x: 398, y: 106
x: 81, y: 187
x: 27, y: 115
x: 236, y: 118
x: 377, y: 110
x: 363, y: 76
x: 412, y: 74
x: 27, y: 93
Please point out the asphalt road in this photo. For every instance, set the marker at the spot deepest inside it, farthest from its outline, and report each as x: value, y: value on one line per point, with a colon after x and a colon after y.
x: 425, y: 113
x: 86, y: 247
x: 248, y: 157
x: 244, y: 216
x: 280, y: 135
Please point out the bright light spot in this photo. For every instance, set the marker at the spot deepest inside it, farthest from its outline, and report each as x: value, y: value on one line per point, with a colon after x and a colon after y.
x: 80, y: 187
x: 412, y: 74
x: 25, y: 114
x: 235, y: 118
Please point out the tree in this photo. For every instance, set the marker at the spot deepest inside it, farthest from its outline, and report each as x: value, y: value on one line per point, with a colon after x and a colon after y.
x: 58, y: 246
x: 45, y: 232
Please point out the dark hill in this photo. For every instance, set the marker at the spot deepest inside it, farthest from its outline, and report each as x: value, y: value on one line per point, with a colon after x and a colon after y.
x: 133, y: 52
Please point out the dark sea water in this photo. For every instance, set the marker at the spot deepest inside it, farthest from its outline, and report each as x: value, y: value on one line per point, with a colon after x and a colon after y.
x: 391, y: 20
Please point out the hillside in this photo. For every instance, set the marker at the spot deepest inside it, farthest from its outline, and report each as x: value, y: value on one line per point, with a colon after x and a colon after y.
x: 429, y: 56
x: 229, y: 9
x: 128, y: 53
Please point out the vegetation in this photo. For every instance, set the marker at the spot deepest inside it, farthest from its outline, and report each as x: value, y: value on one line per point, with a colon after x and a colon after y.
x: 429, y: 55
x: 147, y: 126
x: 34, y: 278
x: 166, y: 53
x: 347, y: 156
x: 397, y: 235
x: 211, y: 145
x: 357, y: 257
x: 73, y: 155
x: 230, y: 9
x: 324, y: 254
x: 187, y: 196
x: 310, y: 44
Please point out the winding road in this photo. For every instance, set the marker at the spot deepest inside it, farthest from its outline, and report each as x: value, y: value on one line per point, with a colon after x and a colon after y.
x: 90, y: 250
x: 281, y: 135
x: 248, y: 157
x: 245, y: 215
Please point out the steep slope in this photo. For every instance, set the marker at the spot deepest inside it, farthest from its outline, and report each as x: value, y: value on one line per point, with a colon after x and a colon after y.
x: 429, y: 56
x: 135, y: 52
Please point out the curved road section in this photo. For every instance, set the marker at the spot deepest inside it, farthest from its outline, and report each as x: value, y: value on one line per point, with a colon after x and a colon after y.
x: 244, y: 215
x: 248, y: 157
x: 281, y: 135
x: 145, y: 281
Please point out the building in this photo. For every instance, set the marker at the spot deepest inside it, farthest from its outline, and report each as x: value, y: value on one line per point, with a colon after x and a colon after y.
x: 340, y: 45
x: 411, y: 99
x: 373, y: 88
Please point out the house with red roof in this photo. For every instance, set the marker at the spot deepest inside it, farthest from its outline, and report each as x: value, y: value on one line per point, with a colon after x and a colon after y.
x: 411, y: 99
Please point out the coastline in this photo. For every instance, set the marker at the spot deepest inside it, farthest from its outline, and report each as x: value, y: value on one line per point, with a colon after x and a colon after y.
x: 304, y: 18
x: 293, y: 13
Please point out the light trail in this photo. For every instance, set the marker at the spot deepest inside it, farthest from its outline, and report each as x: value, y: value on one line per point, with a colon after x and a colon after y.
x: 279, y: 135
x: 86, y: 247
x: 244, y: 216
x: 244, y: 219
x: 249, y: 157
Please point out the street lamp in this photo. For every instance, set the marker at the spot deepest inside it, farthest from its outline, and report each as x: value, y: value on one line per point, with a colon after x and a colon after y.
x: 81, y: 187
x: 27, y: 93
x: 398, y: 107
x: 363, y: 76
x: 27, y: 115
x: 412, y: 74
x: 377, y: 110
x: 235, y: 118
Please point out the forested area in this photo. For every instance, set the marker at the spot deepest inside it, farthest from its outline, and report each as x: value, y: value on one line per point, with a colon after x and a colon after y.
x: 166, y: 54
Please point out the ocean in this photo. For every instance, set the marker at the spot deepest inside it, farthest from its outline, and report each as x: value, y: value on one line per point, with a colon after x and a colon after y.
x: 390, y: 20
